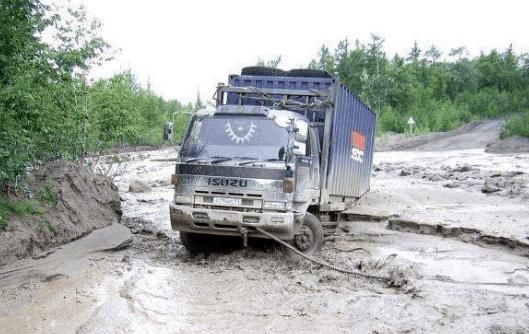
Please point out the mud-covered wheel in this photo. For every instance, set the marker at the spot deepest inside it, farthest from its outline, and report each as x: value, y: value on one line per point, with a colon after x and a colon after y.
x: 198, y: 243
x: 310, y: 236
x: 263, y: 71
x: 308, y: 73
x: 194, y: 243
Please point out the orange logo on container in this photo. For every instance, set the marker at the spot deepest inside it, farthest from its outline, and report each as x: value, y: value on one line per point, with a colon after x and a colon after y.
x: 358, y: 143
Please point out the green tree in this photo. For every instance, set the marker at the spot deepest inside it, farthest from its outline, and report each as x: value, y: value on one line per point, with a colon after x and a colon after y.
x: 270, y: 62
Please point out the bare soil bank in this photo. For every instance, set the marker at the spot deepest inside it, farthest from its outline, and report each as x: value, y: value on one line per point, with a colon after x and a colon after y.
x: 79, y: 201
x: 474, y: 135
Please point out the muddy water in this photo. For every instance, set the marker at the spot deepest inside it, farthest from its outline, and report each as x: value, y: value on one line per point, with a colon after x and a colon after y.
x: 445, y: 285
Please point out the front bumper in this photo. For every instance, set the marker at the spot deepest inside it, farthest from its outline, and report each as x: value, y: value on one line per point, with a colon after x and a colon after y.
x: 223, y: 222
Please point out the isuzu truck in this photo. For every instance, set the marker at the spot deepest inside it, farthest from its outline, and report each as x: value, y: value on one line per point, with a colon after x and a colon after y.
x: 285, y: 151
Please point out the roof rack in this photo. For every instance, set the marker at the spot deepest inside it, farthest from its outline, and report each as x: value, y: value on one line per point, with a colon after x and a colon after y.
x: 290, y: 99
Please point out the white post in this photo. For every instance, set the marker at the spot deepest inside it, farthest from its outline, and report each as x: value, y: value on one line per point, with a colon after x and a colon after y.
x: 411, y: 123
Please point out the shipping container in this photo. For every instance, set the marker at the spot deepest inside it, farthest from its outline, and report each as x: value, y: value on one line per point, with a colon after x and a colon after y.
x: 346, y: 125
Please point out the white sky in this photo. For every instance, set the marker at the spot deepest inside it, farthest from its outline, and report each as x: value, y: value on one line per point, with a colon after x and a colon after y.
x: 185, y: 46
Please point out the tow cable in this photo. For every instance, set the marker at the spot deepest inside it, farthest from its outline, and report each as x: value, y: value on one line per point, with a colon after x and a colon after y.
x: 385, y: 279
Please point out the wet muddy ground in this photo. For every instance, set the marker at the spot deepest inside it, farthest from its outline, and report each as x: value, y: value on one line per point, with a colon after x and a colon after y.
x: 442, y: 283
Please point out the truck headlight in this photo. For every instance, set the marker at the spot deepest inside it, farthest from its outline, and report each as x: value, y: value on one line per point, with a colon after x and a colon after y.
x: 175, y: 179
x: 274, y: 205
x: 183, y: 199
x: 288, y: 185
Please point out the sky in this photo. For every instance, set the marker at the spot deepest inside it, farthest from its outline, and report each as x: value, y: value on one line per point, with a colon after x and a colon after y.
x: 185, y: 47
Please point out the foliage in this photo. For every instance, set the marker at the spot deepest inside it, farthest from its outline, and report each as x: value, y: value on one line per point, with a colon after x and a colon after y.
x: 274, y: 62
x: 3, y: 214
x: 16, y: 207
x: 24, y: 208
x: 48, y: 107
x: 518, y: 125
x: 440, y: 93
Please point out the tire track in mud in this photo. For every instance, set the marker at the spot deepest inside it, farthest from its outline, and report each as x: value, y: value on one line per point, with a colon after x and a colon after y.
x: 464, y: 234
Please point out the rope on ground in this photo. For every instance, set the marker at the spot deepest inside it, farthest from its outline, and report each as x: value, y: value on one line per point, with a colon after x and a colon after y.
x: 325, y: 264
x: 380, y: 264
x: 385, y: 279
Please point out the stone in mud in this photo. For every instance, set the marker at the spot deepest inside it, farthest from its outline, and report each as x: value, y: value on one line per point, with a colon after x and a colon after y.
x: 161, y: 183
x: 513, y: 174
x: 405, y: 172
x: 489, y: 187
x: 137, y: 186
x: 451, y: 185
x: 464, y: 168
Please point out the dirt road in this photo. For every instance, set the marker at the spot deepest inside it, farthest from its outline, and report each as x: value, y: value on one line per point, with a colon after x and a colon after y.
x: 444, y: 282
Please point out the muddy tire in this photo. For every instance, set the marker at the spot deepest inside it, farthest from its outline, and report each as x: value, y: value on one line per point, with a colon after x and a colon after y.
x: 193, y: 242
x: 310, y: 236
x: 308, y: 73
x: 263, y: 71
x: 197, y: 243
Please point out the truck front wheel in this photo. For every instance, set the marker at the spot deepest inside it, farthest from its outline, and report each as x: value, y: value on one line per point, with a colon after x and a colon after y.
x: 309, y: 238
x: 195, y: 243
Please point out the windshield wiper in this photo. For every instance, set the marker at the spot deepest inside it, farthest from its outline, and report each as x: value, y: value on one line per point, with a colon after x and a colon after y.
x: 218, y: 159
x: 222, y: 159
x: 194, y: 159
x: 244, y: 163
x: 256, y: 160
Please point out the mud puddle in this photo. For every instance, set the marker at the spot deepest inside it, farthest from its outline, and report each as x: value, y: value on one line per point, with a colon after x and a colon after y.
x: 449, y: 286
x: 445, y: 285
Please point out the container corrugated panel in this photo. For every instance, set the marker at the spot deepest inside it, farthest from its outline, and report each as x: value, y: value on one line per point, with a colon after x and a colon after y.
x: 353, y: 129
x: 352, y: 146
x: 277, y: 82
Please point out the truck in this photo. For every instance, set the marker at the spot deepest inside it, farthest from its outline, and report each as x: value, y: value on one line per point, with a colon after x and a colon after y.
x: 282, y: 151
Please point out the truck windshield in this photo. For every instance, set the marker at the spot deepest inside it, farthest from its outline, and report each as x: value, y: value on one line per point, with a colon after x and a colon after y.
x: 228, y: 136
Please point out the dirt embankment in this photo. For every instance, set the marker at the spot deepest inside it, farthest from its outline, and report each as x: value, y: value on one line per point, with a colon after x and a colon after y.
x: 474, y: 135
x: 70, y: 202
x: 514, y: 144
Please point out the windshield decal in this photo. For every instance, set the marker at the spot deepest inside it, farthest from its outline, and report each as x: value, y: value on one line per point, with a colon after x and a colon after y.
x: 240, y: 134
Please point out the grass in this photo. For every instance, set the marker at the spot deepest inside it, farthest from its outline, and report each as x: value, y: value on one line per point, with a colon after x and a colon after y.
x: 48, y: 195
x: 48, y: 225
x: 18, y: 208
x: 518, y: 125
x: 3, y: 214
x: 24, y: 208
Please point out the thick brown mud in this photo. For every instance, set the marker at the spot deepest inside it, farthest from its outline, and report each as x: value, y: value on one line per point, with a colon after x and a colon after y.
x: 446, y: 283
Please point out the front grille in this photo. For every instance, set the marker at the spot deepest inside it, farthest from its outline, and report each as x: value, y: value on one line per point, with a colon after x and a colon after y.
x: 250, y: 202
x: 227, y: 208
x: 226, y: 193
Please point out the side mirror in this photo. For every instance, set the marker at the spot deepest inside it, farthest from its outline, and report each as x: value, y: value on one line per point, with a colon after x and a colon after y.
x: 282, y: 153
x: 168, y: 131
